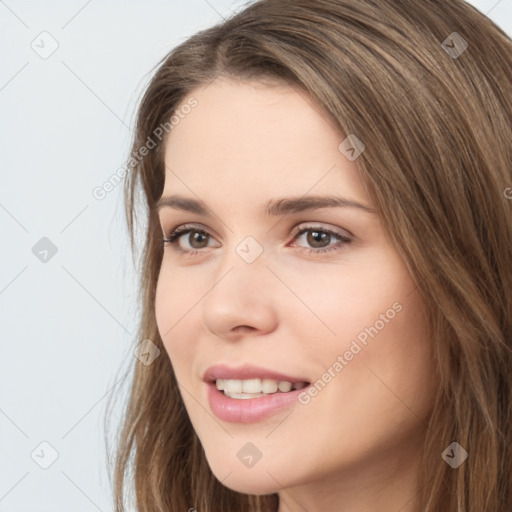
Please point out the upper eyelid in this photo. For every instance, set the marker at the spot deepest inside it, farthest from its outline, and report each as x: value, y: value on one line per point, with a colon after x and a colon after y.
x: 187, y: 226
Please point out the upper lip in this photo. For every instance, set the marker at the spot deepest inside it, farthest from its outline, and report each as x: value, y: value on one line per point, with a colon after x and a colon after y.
x: 247, y: 371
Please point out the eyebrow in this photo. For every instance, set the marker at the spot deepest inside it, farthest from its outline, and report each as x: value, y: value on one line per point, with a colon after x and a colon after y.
x: 274, y: 207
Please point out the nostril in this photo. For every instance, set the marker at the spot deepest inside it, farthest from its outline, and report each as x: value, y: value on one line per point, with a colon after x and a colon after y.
x: 243, y: 328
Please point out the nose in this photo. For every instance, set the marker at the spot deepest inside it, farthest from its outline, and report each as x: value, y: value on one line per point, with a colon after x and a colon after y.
x: 242, y: 298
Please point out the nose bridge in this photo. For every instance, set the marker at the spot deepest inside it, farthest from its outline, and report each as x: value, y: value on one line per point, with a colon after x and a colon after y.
x: 239, y: 294
x: 246, y: 262
x: 249, y: 250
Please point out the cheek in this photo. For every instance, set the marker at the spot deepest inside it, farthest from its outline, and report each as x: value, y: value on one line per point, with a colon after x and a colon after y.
x: 174, y: 311
x: 379, y: 329
x: 176, y: 294
x: 405, y: 360
x: 165, y: 304
x: 389, y: 375
x: 354, y: 302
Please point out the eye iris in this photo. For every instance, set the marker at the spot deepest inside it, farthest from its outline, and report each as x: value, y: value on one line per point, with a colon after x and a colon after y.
x: 314, y: 236
x: 195, y: 236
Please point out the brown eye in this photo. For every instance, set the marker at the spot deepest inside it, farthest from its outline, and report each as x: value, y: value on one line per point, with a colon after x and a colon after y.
x: 197, y: 239
x: 318, y: 239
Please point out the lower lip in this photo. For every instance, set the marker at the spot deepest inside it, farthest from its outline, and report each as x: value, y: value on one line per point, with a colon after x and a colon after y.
x: 250, y: 410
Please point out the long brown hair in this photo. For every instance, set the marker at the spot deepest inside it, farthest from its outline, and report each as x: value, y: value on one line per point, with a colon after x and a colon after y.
x: 427, y: 86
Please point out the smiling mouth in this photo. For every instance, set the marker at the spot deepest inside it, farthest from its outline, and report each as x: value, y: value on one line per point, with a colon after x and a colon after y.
x: 255, y: 388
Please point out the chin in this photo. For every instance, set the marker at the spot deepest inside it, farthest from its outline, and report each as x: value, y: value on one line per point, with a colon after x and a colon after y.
x: 246, y: 480
x: 248, y: 483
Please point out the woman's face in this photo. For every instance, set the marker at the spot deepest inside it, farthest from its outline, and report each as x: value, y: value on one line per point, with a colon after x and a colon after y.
x: 259, y: 291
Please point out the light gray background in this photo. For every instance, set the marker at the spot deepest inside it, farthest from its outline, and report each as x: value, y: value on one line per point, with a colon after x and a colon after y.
x: 67, y: 324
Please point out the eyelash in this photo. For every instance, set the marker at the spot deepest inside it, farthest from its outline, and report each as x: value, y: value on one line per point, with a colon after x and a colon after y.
x: 187, y: 228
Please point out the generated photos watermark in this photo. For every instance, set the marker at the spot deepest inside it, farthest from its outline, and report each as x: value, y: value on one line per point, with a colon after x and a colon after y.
x: 101, y: 191
x: 355, y: 348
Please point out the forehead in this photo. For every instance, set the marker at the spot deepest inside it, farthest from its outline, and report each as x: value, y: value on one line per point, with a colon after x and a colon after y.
x: 252, y: 140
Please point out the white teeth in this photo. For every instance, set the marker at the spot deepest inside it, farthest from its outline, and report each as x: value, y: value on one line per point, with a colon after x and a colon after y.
x: 255, y: 387
x: 251, y: 386
x: 285, y: 386
x: 233, y: 386
x: 244, y: 396
x: 269, y: 386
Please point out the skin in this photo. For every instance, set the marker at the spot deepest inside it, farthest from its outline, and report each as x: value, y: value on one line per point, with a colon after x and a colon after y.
x: 355, y: 446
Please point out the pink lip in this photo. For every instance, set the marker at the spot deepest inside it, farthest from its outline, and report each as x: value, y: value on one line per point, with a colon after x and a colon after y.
x: 221, y: 371
x: 249, y: 410
x: 252, y: 409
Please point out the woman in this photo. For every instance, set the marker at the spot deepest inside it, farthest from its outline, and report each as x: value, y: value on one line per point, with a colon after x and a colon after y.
x: 326, y: 291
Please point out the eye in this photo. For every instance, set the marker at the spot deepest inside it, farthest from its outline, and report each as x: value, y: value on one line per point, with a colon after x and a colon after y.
x: 318, y: 238
x: 199, y: 237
